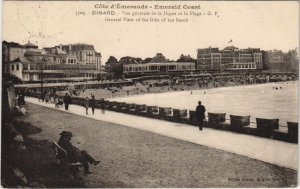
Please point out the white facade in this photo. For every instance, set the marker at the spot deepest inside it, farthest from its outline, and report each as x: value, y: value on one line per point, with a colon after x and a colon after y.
x: 98, y: 61
x: 84, y: 54
x: 158, y: 68
x: 16, y: 52
x: 15, y: 68
x: 23, y: 71
x: 241, y: 66
x: 258, y: 60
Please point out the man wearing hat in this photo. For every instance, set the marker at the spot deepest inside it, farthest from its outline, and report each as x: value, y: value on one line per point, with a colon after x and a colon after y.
x: 67, y: 101
x: 74, y: 154
x: 200, y: 115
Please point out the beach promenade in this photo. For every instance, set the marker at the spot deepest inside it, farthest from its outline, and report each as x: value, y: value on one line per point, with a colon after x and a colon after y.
x: 271, y: 151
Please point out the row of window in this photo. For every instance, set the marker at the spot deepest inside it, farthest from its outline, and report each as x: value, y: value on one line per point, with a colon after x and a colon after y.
x: 18, y: 51
x: 244, y: 66
x: 13, y: 67
x: 89, y: 55
x: 228, y: 55
x: 157, y: 68
x: 244, y: 60
x: 70, y: 75
x: 90, y: 63
x: 49, y: 67
x: 31, y: 67
x: 72, y: 61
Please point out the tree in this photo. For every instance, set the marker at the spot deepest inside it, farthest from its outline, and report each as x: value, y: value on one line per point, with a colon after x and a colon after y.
x: 130, y: 60
x: 112, y: 65
x: 117, y: 69
x: 110, y: 62
x: 184, y: 58
x: 147, y: 60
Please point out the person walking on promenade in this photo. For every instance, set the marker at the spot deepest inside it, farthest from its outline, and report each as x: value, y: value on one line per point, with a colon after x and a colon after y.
x: 47, y: 97
x: 67, y: 101
x: 74, y: 154
x: 56, y: 101
x: 87, y: 104
x: 200, y: 115
x: 21, y: 98
x: 43, y: 94
x: 93, y: 103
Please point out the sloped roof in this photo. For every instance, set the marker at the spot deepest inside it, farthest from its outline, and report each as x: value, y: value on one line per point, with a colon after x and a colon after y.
x: 23, y: 60
x: 27, y: 45
x: 60, y: 51
x: 55, y: 50
x: 12, y: 44
x: 98, y: 54
x: 35, y: 51
x: 230, y: 48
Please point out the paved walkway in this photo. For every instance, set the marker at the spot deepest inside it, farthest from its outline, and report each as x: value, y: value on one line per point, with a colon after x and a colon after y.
x: 267, y: 150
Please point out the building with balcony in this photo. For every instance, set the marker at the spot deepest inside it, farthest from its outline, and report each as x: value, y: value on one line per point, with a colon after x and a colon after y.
x: 51, y: 64
x: 209, y: 59
x: 230, y: 58
x: 84, y: 53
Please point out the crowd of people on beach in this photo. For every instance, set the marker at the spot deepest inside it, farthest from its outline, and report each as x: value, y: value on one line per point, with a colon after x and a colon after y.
x: 183, y: 83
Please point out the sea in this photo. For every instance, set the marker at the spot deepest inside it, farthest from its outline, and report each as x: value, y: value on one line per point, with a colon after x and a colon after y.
x: 270, y: 100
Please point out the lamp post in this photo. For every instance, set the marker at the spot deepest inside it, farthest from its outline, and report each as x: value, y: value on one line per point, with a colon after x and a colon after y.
x: 43, y: 60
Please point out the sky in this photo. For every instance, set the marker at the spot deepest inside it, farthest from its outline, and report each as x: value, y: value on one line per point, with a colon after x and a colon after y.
x: 265, y: 25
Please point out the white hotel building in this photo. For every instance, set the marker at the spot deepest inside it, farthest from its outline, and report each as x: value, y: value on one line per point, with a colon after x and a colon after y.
x: 157, y: 68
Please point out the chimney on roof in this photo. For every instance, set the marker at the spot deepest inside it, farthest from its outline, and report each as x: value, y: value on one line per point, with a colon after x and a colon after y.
x: 70, y: 47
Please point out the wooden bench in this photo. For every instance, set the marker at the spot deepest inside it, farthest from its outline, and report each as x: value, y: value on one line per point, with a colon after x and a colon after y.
x: 130, y: 108
x: 192, y: 118
x: 265, y: 127
x: 238, y: 122
x: 214, y: 119
x: 62, y: 155
x: 113, y: 105
x: 165, y: 113
x: 121, y: 107
x: 141, y: 109
x: 293, y: 131
x: 107, y: 104
x: 180, y: 115
x: 152, y: 111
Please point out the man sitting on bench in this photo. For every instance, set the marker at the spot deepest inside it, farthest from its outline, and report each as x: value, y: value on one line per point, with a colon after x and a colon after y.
x: 74, y: 154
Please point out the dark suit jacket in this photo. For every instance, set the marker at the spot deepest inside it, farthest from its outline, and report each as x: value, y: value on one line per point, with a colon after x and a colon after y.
x: 93, y: 103
x: 67, y: 99
x: 74, y: 154
x: 200, y: 112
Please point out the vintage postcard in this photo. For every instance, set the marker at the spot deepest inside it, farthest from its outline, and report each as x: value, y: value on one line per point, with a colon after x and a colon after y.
x: 150, y: 94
